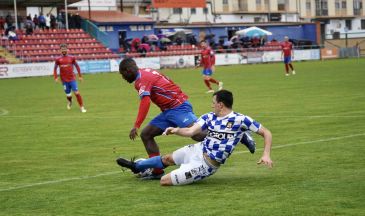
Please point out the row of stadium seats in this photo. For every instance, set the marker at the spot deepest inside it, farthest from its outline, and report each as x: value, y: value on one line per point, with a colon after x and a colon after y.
x: 29, y: 59
x: 54, y: 36
x: 45, y: 31
x: 53, y: 41
x: 43, y: 45
x: 56, y: 52
x: 52, y: 47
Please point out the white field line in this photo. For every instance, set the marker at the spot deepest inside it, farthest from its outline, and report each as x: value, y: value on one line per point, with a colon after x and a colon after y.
x: 115, y: 172
x: 3, y: 112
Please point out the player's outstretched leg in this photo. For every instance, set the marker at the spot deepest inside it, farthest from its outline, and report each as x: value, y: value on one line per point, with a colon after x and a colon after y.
x: 129, y: 164
x: 148, y: 135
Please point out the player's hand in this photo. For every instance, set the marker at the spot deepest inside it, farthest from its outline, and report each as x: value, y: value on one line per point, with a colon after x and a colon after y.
x: 57, y: 80
x: 133, y: 134
x: 170, y: 130
x: 81, y: 79
x: 266, y: 160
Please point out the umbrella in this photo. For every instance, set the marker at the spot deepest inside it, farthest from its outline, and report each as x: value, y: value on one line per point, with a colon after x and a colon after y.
x: 152, y: 37
x: 253, y: 32
x: 165, y: 40
x: 233, y: 38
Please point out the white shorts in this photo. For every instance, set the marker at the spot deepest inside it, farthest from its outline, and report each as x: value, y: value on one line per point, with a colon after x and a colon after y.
x: 193, y: 165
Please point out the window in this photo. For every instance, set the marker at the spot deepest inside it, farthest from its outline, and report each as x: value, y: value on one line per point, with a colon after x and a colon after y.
x: 133, y: 27
x: 363, y: 24
x: 344, y: 4
x: 321, y: 7
x: 281, y: 5
x: 205, y: 10
x: 109, y: 28
x: 225, y: 2
x: 148, y: 27
x: 348, y: 24
x: 337, y: 4
x: 177, y: 10
x: 357, y: 7
x: 308, y: 5
x: 193, y: 10
x: 141, y: 28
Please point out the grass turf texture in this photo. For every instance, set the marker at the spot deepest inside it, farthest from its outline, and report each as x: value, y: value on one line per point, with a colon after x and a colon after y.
x: 59, y: 162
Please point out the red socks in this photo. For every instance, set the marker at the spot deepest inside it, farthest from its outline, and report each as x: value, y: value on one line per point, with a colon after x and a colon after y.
x: 207, y: 84
x: 213, y: 81
x: 291, y: 66
x: 79, y: 100
x: 69, y: 98
x: 156, y: 170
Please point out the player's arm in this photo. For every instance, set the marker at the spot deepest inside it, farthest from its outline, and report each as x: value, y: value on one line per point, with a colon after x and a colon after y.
x: 185, y: 132
x: 77, y: 68
x: 144, y: 107
x: 55, y: 71
x: 266, y: 134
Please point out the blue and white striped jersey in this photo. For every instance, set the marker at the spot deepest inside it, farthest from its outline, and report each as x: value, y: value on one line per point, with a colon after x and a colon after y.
x: 224, y: 133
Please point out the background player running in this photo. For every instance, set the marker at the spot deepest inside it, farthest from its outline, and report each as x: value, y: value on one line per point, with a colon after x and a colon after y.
x: 66, y: 64
x: 207, y: 61
x: 287, y: 51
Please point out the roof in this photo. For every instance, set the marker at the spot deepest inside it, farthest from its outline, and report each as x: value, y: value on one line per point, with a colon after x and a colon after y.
x: 112, y: 17
x: 40, y: 3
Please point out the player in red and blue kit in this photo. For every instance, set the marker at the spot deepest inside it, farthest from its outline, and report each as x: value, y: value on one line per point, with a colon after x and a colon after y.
x: 175, y: 108
x: 287, y: 51
x: 66, y: 64
x: 207, y: 61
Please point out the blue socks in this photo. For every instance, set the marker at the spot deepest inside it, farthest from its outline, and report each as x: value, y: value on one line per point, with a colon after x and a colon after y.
x: 153, y: 162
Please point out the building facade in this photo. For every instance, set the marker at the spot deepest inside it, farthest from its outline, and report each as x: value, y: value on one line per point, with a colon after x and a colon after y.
x: 337, y: 17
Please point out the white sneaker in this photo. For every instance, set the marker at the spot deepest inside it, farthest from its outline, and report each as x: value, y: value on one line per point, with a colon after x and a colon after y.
x: 83, y: 110
x: 286, y: 74
x: 69, y: 104
x: 293, y: 72
x: 210, y: 91
x: 220, y: 84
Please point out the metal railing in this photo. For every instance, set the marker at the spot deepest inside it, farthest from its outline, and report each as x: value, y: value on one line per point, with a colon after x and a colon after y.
x: 93, y: 30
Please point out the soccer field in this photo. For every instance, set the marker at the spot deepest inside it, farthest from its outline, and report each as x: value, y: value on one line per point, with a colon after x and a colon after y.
x: 59, y: 162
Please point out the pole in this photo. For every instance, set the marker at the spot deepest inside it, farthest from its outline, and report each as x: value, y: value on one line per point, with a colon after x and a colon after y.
x: 66, y: 15
x: 88, y: 2
x: 346, y: 39
x: 16, y: 15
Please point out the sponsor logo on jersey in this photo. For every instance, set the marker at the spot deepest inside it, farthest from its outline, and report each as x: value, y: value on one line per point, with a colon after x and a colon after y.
x: 220, y: 135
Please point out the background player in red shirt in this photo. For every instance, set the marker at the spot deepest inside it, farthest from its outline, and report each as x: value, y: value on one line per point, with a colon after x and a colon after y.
x: 207, y: 60
x: 66, y: 64
x: 175, y: 107
x: 287, y: 51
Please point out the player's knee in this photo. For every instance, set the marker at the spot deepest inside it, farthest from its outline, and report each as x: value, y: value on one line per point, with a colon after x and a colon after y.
x: 76, y: 92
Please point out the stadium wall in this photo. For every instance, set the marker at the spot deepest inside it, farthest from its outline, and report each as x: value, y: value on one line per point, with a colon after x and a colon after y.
x: 185, y: 61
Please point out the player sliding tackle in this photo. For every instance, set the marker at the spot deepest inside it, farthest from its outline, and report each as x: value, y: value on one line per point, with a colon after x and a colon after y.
x: 198, y: 161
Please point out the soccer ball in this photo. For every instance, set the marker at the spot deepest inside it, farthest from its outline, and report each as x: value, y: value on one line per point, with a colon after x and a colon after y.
x: 144, y: 173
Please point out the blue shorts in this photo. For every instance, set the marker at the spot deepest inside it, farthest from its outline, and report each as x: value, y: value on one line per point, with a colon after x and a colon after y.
x: 67, y: 86
x: 181, y: 116
x: 287, y: 59
x: 207, y: 72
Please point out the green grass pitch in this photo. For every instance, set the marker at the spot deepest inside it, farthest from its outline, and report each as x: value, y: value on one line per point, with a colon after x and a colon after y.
x: 59, y: 162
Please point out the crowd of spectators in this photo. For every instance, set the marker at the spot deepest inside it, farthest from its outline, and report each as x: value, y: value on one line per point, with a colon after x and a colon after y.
x: 29, y: 24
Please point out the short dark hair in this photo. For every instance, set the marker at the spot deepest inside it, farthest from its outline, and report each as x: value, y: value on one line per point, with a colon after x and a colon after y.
x: 224, y: 96
x: 203, y: 41
x: 128, y: 64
